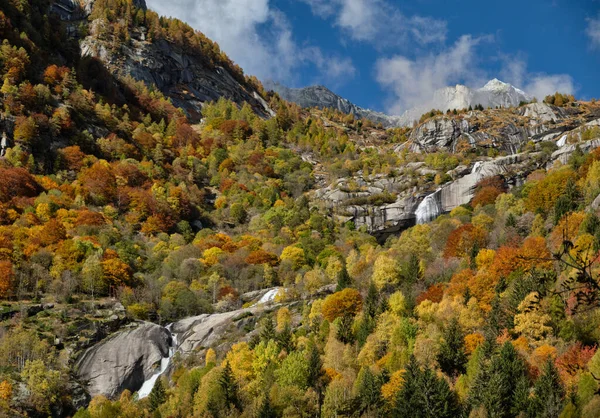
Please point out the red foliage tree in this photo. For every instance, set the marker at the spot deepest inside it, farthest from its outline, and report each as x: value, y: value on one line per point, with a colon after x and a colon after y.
x: 6, y: 278
x: 72, y: 158
x: 100, y: 183
x: 434, y: 293
x: 53, y: 232
x: 574, y: 360
x: 86, y: 217
x: 463, y: 239
x: 262, y: 257
x: 17, y: 182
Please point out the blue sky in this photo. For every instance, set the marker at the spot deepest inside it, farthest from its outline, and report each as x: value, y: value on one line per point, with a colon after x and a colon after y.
x: 390, y: 55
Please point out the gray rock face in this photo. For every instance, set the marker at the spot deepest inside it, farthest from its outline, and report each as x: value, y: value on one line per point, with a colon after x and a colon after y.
x: 508, y: 133
x: 204, y: 330
x: 187, y: 79
x: 562, y: 154
x: 124, y: 360
x: 322, y: 97
x: 419, y: 204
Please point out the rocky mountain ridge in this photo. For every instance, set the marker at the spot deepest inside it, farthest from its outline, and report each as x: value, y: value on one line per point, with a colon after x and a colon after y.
x: 494, y: 94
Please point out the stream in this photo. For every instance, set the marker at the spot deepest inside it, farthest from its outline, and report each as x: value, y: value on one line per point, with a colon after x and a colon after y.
x: 164, y: 365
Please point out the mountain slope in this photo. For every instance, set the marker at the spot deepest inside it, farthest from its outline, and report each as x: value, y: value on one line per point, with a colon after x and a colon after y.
x: 185, y: 66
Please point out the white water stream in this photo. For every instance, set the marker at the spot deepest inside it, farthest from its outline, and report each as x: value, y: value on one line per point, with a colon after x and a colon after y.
x: 269, y: 296
x: 164, y: 364
x: 429, y: 209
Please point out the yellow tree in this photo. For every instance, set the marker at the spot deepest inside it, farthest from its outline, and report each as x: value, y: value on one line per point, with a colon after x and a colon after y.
x: 530, y: 321
x: 386, y: 271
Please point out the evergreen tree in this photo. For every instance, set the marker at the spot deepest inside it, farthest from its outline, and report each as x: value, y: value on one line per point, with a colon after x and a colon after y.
x: 424, y: 395
x: 452, y: 357
x: 500, y: 385
x: 315, y: 367
x: 268, y: 331
x: 367, y: 390
x: 344, y: 279
x: 229, y: 387
x: 266, y: 409
x: 344, y: 331
x: 412, y: 269
x: 567, y: 202
x: 158, y: 395
x: 371, y: 301
x: 365, y: 327
x: 511, y: 220
x: 284, y: 339
x: 549, y: 394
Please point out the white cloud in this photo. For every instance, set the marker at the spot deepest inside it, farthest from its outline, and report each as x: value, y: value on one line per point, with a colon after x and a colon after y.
x: 538, y: 85
x: 255, y: 35
x: 379, y: 22
x: 414, y: 81
x: 593, y: 31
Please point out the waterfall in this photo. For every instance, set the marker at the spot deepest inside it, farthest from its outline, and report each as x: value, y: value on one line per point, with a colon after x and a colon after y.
x: 268, y: 297
x: 562, y: 141
x: 476, y: 167
x: 430, y: 208
x: 164, y: 364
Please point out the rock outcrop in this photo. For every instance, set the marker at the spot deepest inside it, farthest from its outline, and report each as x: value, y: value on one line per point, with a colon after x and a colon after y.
x: 206, y: 330
x: 503, y: 131
x: 419, y: 204
x: 124, y: 360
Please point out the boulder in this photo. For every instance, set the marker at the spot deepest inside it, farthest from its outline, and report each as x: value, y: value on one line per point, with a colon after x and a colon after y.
x: 124, y: 360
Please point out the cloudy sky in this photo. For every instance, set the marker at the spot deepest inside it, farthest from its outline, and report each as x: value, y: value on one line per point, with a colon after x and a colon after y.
x: 389, y: 55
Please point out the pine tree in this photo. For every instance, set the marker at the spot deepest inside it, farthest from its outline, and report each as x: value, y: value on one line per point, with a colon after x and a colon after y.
x: 268, y: 331
x: 158, y: 395
x: 229, y: 387
x: 549, y: 394
x: 266, y: 409
x: 499, y: 386
x: 367, y: 390
x: 424, y: 395
x: 371, y: 301
x: 412, y: 269
x: 284, y: 339
x: 567, y: 202
x: 452, y: 357
x: 315, y: 367
x: 344, y: 331
x: 344, y: 280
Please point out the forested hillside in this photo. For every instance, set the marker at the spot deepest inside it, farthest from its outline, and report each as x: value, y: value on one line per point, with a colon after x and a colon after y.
x: 118, y: 207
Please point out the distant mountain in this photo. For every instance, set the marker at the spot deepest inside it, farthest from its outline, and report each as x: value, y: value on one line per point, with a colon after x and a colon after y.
x: 321, y: 96
x: 495, y: 93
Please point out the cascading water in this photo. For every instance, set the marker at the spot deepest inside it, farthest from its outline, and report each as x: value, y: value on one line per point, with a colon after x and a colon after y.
x: 429, y: 209
x: 476, y: 167
x: 269, y: 296
x: 164, y: 364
